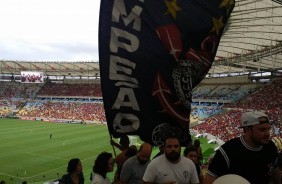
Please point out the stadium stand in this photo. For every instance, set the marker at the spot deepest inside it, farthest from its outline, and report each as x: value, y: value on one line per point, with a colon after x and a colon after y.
x: 224, y: 125
x: 72, y: 102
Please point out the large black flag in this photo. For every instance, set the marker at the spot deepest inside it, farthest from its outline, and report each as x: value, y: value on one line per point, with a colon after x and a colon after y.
x: 152, y: 54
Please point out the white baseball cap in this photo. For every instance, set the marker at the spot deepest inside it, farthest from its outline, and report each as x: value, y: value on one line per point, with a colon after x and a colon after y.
x: 253, y: 118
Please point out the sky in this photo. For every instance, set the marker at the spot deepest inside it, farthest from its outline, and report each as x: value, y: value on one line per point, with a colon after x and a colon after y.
x: 49, y: 30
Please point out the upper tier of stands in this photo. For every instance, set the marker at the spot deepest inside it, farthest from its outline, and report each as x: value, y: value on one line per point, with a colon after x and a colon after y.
x: 86, y: 90
x: 266, y: 98
x: 223, y: 91
x: 56, y: 101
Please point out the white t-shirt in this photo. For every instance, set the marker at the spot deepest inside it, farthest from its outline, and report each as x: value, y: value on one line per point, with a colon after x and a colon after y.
x: 98, y: 179
x: 160, y: 170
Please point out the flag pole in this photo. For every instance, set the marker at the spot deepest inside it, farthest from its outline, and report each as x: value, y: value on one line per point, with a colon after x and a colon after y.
x: 111, y: 137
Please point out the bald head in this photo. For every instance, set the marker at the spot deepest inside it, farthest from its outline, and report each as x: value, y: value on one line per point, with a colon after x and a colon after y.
x: 144, y: 153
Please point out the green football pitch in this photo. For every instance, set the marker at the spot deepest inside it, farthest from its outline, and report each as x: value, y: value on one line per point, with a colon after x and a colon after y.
x: 29, y: 154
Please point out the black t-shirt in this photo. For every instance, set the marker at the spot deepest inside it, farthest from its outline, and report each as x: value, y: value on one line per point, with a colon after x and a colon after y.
x: 236, y: 157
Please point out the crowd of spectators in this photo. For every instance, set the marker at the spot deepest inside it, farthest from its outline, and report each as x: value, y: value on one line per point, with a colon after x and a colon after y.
x: 204, y: 112
x: 4, y: 111
x: 14, y: 94
x: 225, y: 125
x: 268, y: 97
x: 16, y: 90
x: 64, y: 110
x: 54, y: 89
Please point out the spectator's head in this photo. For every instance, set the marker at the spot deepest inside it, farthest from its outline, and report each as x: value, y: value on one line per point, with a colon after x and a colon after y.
x: 172, y: 149
x: 124, y: 141
x: 133, y: 147
x: 74, y: 165
x: 104, y: 163
x: 132, y: 151
x: 24, y: 182
x: 197, y: 143
x: 256, y: 127
x: 2, y: 182
x: 144, y: 153
x: 191, y: 153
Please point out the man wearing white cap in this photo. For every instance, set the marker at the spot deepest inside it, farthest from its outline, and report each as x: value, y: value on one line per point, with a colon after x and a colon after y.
x: 252, y: 156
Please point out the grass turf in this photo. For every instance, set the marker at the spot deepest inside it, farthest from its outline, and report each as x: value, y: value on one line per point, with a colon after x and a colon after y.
x: 27, y: 152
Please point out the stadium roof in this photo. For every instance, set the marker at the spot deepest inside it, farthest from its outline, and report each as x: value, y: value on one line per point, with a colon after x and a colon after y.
x: 252, y: 41
x: 52, y: 68
x: 253, y: 38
